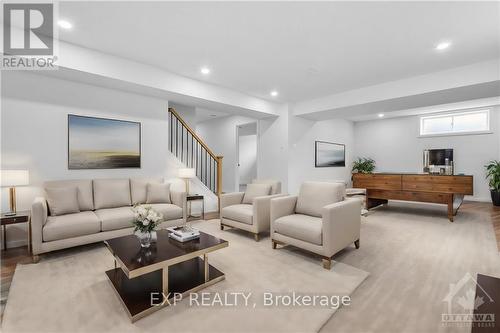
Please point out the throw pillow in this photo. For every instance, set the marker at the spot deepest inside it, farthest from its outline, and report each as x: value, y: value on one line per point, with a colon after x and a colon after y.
x: 255, y: 190
x: 158, y: 193
x: 62, y: 200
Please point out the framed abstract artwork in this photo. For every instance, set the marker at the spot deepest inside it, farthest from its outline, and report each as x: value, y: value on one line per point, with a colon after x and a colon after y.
x: 328, y: 154
x: 100, y: 143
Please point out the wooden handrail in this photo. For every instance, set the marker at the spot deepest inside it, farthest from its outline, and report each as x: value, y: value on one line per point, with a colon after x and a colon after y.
x: 190, y: 130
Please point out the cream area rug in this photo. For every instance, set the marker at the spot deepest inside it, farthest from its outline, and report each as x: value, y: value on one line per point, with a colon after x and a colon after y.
x: 69, y: 292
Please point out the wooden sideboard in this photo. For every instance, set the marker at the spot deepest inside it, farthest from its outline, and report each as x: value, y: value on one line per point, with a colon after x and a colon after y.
x: 441, y: 189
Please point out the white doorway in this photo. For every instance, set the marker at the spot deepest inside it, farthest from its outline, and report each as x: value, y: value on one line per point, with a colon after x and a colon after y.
x: 246, y: 147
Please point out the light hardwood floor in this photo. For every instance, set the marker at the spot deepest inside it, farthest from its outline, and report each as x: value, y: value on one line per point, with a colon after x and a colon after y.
x: 493, y: 211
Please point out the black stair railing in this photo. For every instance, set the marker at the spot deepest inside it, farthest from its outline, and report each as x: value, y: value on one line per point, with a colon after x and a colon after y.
x: 194, y: 153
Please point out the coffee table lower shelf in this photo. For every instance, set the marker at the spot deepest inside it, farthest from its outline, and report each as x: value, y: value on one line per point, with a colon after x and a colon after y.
x: 184, y: 278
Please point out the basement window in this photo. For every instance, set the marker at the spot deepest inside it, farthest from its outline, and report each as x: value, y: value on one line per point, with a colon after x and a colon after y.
x: 458, y: 123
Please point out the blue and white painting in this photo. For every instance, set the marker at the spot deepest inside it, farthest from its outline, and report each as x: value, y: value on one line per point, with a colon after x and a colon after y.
x: 329, y: 154
x: 98, y: 143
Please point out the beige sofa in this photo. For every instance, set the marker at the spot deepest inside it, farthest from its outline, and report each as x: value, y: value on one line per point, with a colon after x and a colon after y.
x: 319, y: 220
x: 251, y: 215
x: 105, y: 212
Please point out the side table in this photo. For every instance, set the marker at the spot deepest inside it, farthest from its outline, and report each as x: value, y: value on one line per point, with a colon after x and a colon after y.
x: 194, y: 197
x: 20, y: 217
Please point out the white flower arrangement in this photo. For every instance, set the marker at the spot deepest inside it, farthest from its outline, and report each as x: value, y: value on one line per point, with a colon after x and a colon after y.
x: 146, y: 219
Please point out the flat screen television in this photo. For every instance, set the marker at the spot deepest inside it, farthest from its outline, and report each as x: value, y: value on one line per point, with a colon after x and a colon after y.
x: 438, y: 156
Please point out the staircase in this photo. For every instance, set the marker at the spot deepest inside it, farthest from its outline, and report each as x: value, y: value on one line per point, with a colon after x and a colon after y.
x: 194, y: 153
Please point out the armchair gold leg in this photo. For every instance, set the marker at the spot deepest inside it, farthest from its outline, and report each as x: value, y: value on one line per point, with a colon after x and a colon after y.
x: 327, y: 263
x: 221, y: 226
x: 356, y: 244
x: 256, y: 237
x: 35, y: 258
x: 274, y: 244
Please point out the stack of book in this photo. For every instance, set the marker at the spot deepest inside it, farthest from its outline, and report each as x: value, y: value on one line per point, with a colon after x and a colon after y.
x: 183, y: 233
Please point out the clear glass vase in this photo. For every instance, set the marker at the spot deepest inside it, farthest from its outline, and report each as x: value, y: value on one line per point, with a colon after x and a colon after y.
x: 144, y: 238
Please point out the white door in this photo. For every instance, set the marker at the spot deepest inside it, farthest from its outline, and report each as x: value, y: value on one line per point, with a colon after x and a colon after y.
x: 247, y: 154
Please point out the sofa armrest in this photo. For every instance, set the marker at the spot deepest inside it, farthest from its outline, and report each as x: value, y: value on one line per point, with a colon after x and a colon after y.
x: 229, y: 199
x: 280, y: 207
x: 262, y: 211
x: 341, y: 225
x: 39, y: 214
x: 178, y: 198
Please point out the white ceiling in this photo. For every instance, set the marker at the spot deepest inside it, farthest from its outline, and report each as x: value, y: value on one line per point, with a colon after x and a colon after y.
x: 203, y: 114
x: 303, y: 50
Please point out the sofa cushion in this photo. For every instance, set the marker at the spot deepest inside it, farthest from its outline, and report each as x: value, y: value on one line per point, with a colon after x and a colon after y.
x: 85, y: 195
x: 303, y: 227
x: 138, y: 188
x: 313, y: 196
x: 111, y: 193
x: 275, y: 184
x: 169, y: 211
x: 255, y: 190
x: 158, y: 193
x: 242, y: 213
x: 115, y: 218
x: 62, y: 200
x: 70, y: 225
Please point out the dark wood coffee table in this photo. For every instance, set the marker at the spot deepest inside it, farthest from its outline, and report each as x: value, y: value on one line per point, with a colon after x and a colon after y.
x: 165, y: 268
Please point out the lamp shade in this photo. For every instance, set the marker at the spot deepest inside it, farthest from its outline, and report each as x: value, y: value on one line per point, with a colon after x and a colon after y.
x: 11, y: 178
x: 187, y: 173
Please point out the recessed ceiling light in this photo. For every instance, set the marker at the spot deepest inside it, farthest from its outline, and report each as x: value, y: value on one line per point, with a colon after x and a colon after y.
x: 443, y: 46
x: 381, y: 115
x: 205, y: 70
x: 274, y: 93
x: 64, y: 24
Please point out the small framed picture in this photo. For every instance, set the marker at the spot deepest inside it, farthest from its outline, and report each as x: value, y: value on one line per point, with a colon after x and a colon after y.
x: 328, y: 154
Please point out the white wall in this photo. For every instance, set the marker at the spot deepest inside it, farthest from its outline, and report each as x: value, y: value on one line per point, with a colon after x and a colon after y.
x: 395, y: 145
x: 34, y: 132
x: 188, y: 113
x: 303, y: 134
x: 272, y: 147
x: 272, y: 152
x: 220, y: 136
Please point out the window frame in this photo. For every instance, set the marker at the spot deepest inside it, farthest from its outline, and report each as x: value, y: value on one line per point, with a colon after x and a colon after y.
x: 453, y: 115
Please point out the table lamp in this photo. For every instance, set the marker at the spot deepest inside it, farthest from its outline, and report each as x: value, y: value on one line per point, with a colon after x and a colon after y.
x: 187, y: 174
x: 11, y: 179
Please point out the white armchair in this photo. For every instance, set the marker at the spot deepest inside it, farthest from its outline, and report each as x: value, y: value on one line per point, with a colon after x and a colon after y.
x: 318, y: 220
x: 250, y: 210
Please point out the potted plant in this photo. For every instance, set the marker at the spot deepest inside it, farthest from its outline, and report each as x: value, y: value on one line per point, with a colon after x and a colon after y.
x: 363, y: 165
x: 493, y: 173
x: 146, y: 219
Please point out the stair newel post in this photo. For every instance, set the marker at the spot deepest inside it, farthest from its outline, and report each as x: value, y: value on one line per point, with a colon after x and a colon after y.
x: 219, y: 177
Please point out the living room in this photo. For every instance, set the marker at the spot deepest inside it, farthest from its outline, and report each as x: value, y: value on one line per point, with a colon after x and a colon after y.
x: 270, y: 166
